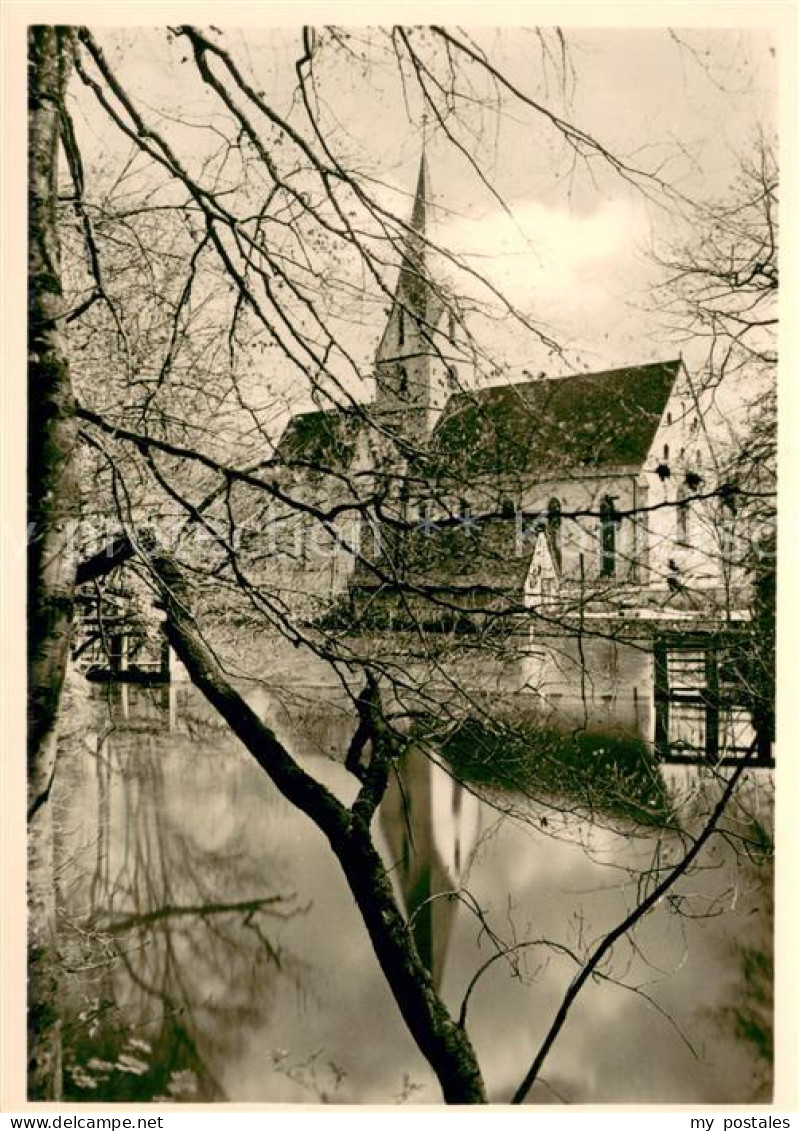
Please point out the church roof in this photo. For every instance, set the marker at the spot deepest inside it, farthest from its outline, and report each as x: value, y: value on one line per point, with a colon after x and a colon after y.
x: 551, y: 426
x: 542, y: 429
x: 322, y: 439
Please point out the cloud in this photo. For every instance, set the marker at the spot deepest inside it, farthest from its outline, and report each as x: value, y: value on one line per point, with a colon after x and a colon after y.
x: 574, y: 273
x: 541, y: 248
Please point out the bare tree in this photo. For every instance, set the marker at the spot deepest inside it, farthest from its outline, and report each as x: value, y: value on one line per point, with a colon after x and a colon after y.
x: 51, y: 511
x: 191, y: 267
x: 720, y: 290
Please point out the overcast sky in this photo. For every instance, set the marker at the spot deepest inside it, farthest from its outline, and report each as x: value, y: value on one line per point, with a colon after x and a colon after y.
x: 572, y: 255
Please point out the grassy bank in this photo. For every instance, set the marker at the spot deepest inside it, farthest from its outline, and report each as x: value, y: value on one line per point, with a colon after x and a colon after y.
x: 596, y: 770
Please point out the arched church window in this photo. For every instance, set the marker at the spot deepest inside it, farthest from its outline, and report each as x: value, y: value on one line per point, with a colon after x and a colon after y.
x: 401, y: 327
x: 507, y: 507
x: 683, y: 517
x: 554, y: 531
x: 452, y: 329
x: 665, y: 451
x: 403, y: 381
x: 608, y: 522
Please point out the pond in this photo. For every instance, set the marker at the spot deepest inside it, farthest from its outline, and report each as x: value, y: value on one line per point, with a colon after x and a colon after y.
x: 214, y: 952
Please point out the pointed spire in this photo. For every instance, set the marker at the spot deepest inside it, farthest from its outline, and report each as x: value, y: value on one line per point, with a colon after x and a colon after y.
x: 403, y: 365
x: 420, y: 201
x: 413, y: 279
x: 423, y: 195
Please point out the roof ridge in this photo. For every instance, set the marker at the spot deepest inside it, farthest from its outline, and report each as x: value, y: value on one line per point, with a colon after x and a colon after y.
x: 543, y: 380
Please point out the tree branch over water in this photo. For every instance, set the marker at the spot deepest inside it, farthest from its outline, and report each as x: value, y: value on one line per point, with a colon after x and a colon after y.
x: 444, y: 1044
x: 626, y: 925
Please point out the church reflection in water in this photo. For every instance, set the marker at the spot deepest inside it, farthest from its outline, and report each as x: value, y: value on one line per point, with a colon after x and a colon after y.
x: 215, y: 952
x: 431, y: 824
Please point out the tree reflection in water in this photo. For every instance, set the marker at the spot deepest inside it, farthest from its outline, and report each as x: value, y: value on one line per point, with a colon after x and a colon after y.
x: 169, y: 934
x: 196, y: 975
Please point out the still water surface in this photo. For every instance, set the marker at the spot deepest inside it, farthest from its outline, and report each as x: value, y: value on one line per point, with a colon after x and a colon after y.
x: 216, y: 954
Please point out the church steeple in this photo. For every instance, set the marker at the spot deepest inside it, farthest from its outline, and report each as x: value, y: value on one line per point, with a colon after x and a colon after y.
x: 414, y: 285
x: 408, y: 369
x: 420, y: 201
x: 416, y: 365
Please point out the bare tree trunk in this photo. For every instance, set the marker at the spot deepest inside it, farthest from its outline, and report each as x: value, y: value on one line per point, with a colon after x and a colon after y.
x: 52, y: 499
x: 444, y: 1043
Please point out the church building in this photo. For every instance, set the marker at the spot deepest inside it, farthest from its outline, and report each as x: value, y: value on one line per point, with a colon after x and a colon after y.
x: 592, y: 490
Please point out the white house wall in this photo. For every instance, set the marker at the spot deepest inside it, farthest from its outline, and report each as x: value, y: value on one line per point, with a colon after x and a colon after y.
x: 687, y: 549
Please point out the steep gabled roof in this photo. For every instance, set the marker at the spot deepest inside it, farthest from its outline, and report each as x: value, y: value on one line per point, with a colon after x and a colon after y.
x: 323, y: 439
x: 561, y: 425
x: 539, y: 429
